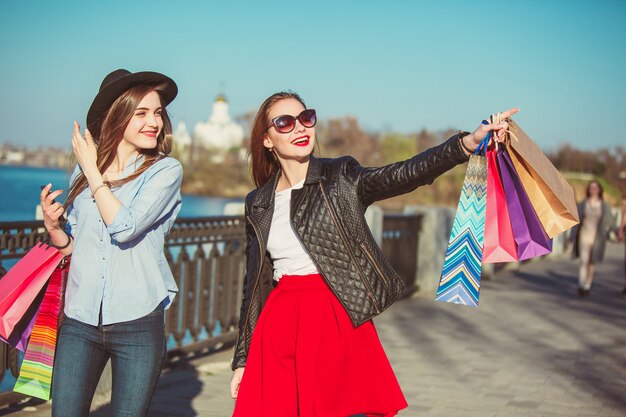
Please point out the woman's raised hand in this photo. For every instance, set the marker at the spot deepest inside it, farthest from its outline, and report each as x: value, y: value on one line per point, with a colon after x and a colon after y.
x: 84, y: 148
x: 52, y: 210
x: 499, y: 129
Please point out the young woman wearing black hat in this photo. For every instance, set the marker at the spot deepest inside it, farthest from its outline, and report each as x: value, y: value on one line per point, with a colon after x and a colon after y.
x: 310, y: 349
x: 123, y: 199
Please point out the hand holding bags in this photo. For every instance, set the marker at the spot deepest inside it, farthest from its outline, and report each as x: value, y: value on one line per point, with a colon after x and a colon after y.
x: 21, y: 293
x: 527, y: 200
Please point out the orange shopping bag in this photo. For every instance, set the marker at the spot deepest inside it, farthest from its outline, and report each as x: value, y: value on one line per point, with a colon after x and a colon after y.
x: 551, y: 195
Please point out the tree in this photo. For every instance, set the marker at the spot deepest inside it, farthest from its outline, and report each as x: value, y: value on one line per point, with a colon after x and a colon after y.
x: 344, y: 136
x: 397, y: 147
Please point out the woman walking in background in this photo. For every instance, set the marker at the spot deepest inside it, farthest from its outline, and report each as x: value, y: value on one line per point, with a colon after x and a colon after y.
x: 590, y: 235
x: 311, y: 348
x: 123, y: 199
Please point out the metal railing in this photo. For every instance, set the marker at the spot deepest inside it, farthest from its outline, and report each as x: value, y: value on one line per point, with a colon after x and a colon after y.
x: 207, y: 258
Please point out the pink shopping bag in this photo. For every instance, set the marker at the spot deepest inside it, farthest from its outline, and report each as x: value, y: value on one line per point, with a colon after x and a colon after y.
x: 20, y: 286
x: 500, y: 244
x: 23, y: 329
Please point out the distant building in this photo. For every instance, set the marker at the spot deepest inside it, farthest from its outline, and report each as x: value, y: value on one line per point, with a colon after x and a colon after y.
x: 182, y: 141
x: 219, y: 132
x: 14, y: 157
x: 40, y: 157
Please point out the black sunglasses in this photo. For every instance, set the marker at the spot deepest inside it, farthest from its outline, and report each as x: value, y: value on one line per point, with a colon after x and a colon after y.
x: 286, y: 123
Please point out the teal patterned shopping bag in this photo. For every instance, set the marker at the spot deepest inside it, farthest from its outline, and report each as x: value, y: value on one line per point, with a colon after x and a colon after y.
x: 460, y: 278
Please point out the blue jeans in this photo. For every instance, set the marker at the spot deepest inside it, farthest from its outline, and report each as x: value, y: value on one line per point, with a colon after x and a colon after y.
x: 137, y: 352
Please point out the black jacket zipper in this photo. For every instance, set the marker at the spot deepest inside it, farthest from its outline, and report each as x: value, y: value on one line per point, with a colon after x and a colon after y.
x: 370, y: 292
x: 375, y: 265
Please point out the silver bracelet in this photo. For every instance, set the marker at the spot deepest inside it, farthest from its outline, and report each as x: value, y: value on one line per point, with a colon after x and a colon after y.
x: 95, y: 190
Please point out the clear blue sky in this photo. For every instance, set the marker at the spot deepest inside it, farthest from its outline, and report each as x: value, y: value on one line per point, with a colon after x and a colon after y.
x: 395, y: 65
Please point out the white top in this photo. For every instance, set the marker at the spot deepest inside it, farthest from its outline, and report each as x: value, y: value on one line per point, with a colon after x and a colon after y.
x: 284, y: 246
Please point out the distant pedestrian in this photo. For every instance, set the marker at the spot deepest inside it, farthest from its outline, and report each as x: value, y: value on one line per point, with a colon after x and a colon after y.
x: 590, y: 236
x: 123, y: 199
x: 310, y: 349
x: 620, y: 235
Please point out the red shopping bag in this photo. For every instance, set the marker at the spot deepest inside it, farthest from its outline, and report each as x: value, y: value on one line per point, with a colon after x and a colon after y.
x: 20, y: 286
x: 500, y: 244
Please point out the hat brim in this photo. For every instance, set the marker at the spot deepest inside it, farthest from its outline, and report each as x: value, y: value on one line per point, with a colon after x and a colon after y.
x: 107, y: 95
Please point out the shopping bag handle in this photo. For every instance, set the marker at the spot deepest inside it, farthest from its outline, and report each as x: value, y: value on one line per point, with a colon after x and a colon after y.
x: 482, y: 146
x: 497, y: 118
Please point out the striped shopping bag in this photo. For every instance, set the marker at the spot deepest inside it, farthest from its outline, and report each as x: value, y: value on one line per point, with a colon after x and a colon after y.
x: 35, y: 375
x: 460, y: 277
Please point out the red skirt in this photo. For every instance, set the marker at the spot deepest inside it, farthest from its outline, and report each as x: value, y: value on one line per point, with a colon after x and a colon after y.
x: 306, y: 359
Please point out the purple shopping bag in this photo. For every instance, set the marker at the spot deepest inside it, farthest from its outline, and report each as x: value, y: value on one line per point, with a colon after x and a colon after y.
x: 528, y: 232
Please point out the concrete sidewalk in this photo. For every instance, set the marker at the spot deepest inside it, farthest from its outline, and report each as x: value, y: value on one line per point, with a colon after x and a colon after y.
x: 533, y: 348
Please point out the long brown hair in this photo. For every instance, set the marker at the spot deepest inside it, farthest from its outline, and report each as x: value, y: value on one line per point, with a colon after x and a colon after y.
x: 264, y: 164
x: 108, y: 135
x: 588, y: 191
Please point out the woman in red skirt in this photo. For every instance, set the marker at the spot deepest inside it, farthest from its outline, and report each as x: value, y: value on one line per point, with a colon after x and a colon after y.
x: 315, y: 277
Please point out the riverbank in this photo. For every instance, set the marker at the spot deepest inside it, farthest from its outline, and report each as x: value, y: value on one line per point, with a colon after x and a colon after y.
x: 22, y: 185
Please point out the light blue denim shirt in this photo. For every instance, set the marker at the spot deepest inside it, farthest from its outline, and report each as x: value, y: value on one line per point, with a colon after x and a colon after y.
x: 123, y: 267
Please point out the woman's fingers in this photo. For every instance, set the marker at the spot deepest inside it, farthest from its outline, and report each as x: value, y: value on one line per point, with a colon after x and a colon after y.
x: 44, y: 193
x: 503, y: 115
x: 498, y: 131
x: 55, y: 211
x: 76, y: 137
x: 76, y: 129
x: 75, y: 133
x: 234, y: 388
x: 235, y: 381
x: 52, y: 196
x: 509, y: 112
x: 47, y: 198
x: 53, y: 207
x: 52, y: 214
x: 88, y: 137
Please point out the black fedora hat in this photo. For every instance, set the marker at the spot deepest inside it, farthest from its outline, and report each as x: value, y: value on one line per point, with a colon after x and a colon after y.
x: 116, y: 83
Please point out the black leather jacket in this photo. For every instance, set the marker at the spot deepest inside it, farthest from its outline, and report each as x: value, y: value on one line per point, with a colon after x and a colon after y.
x: 327, y: 214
